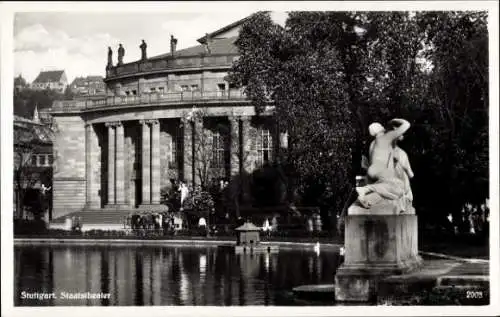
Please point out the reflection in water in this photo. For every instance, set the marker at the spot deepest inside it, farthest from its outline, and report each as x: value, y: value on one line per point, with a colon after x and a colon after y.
x: 203, y: 267
x: 146, y: 276
x: 266, y: 261
x: 184, y: 283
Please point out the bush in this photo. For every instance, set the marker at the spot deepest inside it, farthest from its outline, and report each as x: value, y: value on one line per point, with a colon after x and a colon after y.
x: 23, y: 226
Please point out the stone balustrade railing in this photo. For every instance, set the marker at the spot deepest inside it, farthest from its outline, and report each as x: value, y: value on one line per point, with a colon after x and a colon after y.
x: 180, y: 62
x: 149, y: 98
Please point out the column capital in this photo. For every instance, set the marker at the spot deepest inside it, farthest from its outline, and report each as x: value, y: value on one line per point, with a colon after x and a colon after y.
x: 245, y: 118
x: 113, y: 124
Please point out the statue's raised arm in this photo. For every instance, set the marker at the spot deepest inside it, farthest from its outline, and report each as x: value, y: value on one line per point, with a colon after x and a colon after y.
x: 400, y: 127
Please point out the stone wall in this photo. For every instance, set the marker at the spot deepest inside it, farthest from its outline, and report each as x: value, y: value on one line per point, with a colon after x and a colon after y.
x: 69, y: 191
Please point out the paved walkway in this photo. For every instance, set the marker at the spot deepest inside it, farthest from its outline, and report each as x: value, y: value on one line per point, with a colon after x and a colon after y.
x: 432, y: 269
x: 471, y: 269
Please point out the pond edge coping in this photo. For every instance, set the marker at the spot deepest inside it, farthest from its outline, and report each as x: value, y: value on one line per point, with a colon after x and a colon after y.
x: 201, y: 242
x: 166, y: 242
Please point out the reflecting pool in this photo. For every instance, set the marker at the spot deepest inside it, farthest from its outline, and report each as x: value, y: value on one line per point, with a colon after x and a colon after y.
x: 173, y: 275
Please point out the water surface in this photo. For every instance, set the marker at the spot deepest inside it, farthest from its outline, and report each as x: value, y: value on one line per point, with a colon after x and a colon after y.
x: 175, y: 275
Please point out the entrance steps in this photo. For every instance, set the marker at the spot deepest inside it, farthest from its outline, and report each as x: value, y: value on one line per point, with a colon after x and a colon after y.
x: 96, y: 219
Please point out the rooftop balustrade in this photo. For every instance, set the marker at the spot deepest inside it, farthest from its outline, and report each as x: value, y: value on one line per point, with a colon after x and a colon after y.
x: 165, y: 64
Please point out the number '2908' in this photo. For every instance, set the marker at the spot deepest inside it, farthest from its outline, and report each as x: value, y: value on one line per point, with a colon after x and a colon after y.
x: 474, y: 294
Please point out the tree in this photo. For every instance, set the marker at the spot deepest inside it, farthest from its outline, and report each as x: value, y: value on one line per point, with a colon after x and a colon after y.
x: 26, y: 100
x: 207, y: 165
x: 457, y: 108
x: 300, y: 71
x: 68, y: 93
x: 330, y: 74
x: 26, y: 175
x: 200, y: 203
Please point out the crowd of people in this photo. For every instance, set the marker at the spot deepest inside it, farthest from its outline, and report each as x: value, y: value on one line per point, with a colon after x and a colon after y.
x: 157, y: 222
x: 179, y: 215
x: 474, y: 219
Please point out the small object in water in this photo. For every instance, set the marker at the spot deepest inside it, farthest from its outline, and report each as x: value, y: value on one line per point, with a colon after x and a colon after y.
x: 342, y: 251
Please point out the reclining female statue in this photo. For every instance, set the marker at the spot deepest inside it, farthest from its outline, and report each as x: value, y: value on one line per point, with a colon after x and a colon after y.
x: 388, y: 165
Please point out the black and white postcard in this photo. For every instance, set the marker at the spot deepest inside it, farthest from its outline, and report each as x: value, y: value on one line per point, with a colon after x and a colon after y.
x: 246, y: 158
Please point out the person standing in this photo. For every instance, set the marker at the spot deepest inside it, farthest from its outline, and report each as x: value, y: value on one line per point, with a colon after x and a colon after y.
x: 184, y: 190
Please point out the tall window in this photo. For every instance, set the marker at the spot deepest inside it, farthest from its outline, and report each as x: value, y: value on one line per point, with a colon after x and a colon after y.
x: 218, y: 150
x: 176, y: 153
x: 42, y: 159
x: 265, y: 147
x: 173, y: 150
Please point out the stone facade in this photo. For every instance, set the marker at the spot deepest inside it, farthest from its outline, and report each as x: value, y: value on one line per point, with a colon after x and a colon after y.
x: 120, y: 151
x: 69, y: 170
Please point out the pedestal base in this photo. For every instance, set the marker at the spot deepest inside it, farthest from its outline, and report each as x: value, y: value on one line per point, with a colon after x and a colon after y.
x: 377, y: 246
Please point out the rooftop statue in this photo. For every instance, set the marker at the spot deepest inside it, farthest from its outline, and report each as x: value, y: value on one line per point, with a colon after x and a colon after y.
x: 110, y: 57
x: 143, y: 48
x: 121, y: 53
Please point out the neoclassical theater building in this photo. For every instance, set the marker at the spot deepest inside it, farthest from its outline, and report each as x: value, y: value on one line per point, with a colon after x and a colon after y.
x: 172, y: 116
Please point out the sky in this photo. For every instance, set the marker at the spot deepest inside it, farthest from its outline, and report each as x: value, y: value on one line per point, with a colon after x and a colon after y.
x: 77, y: 42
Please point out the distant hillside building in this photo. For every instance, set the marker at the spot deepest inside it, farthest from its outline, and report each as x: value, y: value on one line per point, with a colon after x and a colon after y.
x: 88, y: 86
x: 54, y: 80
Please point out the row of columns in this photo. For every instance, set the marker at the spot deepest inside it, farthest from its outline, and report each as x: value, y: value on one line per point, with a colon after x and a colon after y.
x: 116, y: 164
x: 240, y: 152
x: 150, y: 157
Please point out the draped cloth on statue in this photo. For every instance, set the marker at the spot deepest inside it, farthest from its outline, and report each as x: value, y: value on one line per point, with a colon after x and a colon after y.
x: 391, y: 191
x: 404, y: 172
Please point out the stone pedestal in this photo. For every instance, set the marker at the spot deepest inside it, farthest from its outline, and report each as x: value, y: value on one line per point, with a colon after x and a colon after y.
x: 376, y: 246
